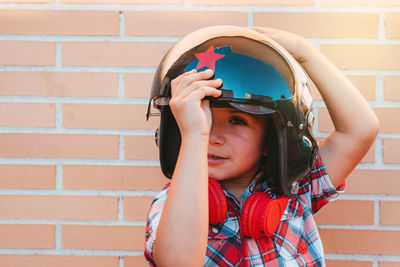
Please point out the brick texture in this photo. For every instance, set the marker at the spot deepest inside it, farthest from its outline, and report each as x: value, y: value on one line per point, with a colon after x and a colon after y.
x: 348, y: 263
x: 59, y: 22
x: 108, y: 116
x: 113, y: 53
x: 58, y: 260
x: 136, y: 208
x: 178, y: 23
x: 113, y: 177
x: 369, y: 3
x: 58, y: 146
x: 78, y: 163
x: 352, y: 212
x: 28, y: 114
x: 321, y: 25
x: 374, y: 182
x: 254, y: 2
x: 387, y: 216
x: 392, y: 92
x: 140, y: 148
x: 13, y: 176
x: 102, y: 237
x: 32, y: 53
x: 67, y: 84
x: 351, y: 241
x: 391, y: 148
x: 33, y: 236
x: 58, y: 207
x: 353, y: 56
x: 138, y: 85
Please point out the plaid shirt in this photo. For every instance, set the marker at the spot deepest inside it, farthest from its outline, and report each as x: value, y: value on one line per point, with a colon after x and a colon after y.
x: 295, y: 243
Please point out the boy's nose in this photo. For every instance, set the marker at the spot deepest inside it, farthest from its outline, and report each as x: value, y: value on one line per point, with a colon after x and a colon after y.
x: 216, y: 134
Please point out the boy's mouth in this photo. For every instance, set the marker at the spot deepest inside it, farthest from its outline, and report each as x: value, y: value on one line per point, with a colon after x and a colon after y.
x: 215, y: 159
x: 212, y: 156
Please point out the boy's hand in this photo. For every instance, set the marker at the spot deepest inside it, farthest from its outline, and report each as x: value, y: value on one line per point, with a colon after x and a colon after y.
x: 191, y: 112
x: 296, y: 45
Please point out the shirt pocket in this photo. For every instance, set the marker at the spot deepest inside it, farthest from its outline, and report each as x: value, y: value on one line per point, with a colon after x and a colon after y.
x: 289, y: 238
x: 224, y: 244
x: 229, y: 228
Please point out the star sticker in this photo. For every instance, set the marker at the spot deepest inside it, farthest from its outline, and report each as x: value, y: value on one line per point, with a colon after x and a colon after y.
x: 208, y: 58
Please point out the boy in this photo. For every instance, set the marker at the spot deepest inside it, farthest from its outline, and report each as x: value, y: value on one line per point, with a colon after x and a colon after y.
x: 236, y: 142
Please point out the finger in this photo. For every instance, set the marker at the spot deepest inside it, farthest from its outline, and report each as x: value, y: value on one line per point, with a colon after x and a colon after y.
x: 190, y: 78
x: 202, y: 92
x: 177, y: 80
x: 196, y: 85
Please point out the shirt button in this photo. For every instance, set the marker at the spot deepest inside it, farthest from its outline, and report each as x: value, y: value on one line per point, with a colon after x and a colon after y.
x: 215, y: 230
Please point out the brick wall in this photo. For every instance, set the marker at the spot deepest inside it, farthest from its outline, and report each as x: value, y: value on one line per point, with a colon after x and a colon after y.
x: 78, y: 164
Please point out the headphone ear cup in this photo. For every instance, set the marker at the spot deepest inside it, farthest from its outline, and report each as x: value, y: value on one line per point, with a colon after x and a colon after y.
x: 261, y: 215
x: 217, y: 203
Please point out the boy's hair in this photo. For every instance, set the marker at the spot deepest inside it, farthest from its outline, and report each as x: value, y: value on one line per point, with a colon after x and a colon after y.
x: 258, y: 77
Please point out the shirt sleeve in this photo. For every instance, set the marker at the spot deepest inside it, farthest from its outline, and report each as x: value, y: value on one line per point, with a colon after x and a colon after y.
x: 153, y: 219
x: 316, y: 189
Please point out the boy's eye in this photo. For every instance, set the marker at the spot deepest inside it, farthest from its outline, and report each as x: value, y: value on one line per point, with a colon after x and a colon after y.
x: 238, y: 121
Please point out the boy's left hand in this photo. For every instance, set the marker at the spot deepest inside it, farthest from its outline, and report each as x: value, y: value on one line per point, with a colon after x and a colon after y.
x: 296, y: 45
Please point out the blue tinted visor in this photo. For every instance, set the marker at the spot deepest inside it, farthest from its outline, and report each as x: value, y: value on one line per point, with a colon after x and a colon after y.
x: 244, y: 78
x: 249, y: 84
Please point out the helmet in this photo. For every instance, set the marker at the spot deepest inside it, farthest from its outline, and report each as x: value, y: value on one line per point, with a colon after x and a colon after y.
x: 260, y: 77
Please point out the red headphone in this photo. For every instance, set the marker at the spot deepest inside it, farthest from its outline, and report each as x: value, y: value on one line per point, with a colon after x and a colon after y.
x: 260, y: 216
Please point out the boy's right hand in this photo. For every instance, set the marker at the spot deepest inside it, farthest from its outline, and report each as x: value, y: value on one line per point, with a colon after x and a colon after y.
x: 191, y: 111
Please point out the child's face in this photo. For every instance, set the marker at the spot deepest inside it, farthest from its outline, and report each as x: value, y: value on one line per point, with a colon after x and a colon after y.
x: 236, y: 144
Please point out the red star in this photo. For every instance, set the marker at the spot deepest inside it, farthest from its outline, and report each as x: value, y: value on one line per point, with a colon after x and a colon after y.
x: 208, y: 58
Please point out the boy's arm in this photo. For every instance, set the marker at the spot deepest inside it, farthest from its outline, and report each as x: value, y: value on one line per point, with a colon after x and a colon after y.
x: 356, y: 125
x: 183, y: 229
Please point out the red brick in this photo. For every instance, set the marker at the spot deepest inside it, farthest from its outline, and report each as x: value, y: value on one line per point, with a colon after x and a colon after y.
x: 138, y: 85
x: 392, y: 92
x: 135, y: 261
x: 36, y: 236
x: 352, y: 212
x: 369, y: 3
x: 136, y: 208
x: 147, y: 2
x: 34, y: 260
x: 391, y: 148
x: 58, y: 207
x: 388, y: 119
x: 253, y: 2
x: 33, y: 53
x: 352, y: 56
x: 353, y: 241
x: 119, y: 54
x: 27, y: 176
x: 102, y: 237
x: 392, y: 24
x: 178, y: 22
x: 389, y: 264
x: 374, y: 182
x: 388, y: 216
x: 100, y: 177
x: 140, y: 148
x: 364, y: 84
x: 21, y: 145
x: 348, y: 263
x: 29, y: 83
x: 107, y: 116
x: 321, y: 24
x: 59, y: 22
x: 28, y: 115
x: 28, y: 1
